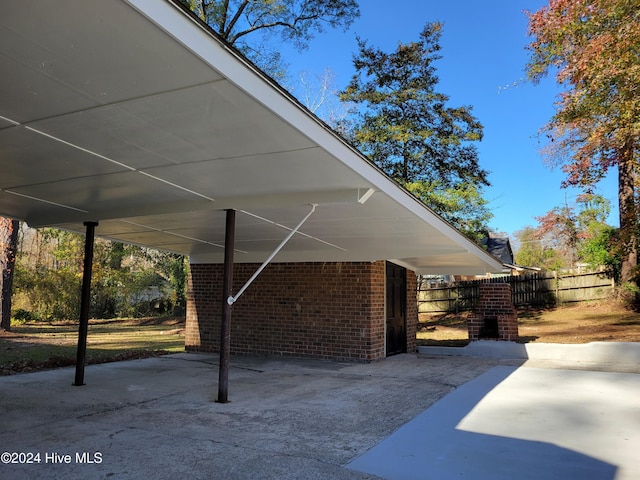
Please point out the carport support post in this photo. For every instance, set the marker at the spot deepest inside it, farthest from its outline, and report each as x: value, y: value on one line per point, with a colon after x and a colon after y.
x: 85, y: 302
x: 225, y: 328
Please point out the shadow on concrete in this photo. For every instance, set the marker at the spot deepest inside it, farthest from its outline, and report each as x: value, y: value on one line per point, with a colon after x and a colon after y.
x: 433, y: 445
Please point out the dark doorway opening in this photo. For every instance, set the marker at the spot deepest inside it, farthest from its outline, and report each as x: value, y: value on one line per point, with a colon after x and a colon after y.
x: 396, y: 309
x: 489, y: 328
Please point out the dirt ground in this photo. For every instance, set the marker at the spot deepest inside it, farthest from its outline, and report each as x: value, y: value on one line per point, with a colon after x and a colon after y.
x: 577, y: 323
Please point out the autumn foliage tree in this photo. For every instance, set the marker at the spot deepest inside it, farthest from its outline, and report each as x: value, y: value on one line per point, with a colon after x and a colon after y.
x: 570, y: 234
x: 592, y: 46
x: 559, y: 226
x: 571, y: 229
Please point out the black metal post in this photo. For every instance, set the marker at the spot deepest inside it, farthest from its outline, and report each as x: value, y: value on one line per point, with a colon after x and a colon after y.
x: 85, y: 302
x: 225, y: 329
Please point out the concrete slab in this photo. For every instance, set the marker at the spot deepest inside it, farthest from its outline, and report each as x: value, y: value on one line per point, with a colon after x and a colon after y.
x: 523, y: 423
x: 156, y: 418
x: 405, y: 417
x: 608, y: 356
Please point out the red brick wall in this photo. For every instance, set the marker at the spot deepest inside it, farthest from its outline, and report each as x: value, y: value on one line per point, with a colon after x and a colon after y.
x: 321, y: 310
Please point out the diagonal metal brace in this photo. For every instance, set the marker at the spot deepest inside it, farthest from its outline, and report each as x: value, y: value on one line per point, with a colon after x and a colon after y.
x: 232, y: 299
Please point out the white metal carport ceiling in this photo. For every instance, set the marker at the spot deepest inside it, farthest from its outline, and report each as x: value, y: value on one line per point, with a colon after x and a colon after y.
x: 134, y: 114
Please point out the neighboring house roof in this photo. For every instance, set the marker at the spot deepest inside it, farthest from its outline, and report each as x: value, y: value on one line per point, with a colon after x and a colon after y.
x: 500, y: 248
x: 135, y: 114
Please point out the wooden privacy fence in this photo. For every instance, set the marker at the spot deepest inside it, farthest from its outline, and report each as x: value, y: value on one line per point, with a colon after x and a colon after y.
x: 535, y: 289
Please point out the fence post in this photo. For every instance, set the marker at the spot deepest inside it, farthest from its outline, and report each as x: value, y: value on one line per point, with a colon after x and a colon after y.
x: 457, y: 299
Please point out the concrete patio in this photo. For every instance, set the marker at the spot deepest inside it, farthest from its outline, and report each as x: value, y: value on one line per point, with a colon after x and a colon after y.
x: 426, y: 416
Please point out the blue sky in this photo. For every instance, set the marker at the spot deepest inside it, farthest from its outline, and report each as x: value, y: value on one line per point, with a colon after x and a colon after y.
x: 482, y: 66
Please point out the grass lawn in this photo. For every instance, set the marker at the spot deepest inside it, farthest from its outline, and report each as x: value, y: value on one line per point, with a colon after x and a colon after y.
x: 38, y: 345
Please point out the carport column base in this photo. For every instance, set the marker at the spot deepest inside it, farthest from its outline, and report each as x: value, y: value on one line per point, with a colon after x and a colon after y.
x: 85, y: 303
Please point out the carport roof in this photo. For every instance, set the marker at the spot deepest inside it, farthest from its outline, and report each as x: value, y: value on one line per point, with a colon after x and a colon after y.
x: 134, y: 114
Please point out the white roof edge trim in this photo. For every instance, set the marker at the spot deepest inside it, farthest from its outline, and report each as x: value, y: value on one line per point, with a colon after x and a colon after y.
x: 213, y: 51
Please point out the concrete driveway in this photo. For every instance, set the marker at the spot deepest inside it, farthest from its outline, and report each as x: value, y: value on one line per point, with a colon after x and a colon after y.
x: 427, y: 416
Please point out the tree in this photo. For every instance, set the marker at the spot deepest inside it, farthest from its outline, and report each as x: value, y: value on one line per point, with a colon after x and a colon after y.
x: 598, y: 243
x: 8, y: 248
x: 128, y: 280
x: 575, y: 233
x: 296, y: 21
x: 406, y: 128
x: 592, y: 45
x: 462, y: 205
x: 319, y: 94
x: 174, y: 268
x: 559, y: 226
x: 534, y: 250
x: 600, y: 249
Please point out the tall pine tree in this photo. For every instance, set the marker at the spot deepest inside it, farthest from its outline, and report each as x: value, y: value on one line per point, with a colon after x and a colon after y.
x: 407, y: 128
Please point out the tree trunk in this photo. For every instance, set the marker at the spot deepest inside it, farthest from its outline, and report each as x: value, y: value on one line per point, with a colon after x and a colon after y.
x: 8, y: 247
x: 628, y: 218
